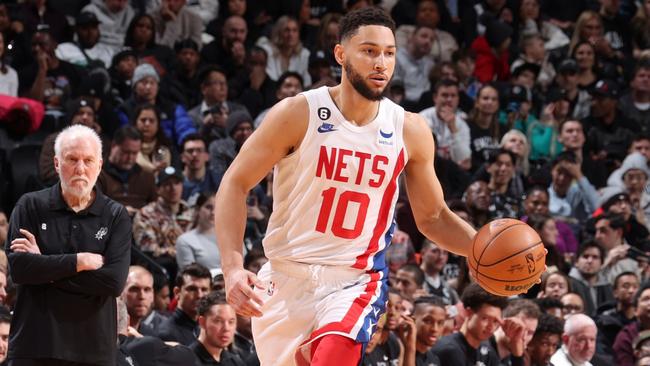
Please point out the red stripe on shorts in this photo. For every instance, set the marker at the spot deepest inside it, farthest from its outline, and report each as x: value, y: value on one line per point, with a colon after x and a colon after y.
x: 384, y: 210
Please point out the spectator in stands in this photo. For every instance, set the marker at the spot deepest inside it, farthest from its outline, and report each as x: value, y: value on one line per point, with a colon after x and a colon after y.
x: 47, y: 76
x: 4, y: 227
x: 210, y: 116
x: 192, y: 284
x: 554, y: 285
x: 384, y: 346
x: 157, y: 151
x: 545, y: 226
x: 533, y: 52
x: 409, y: 281
x: 122, y: 178
x: 8, y: 76
x: 141, y: 39
x: 114, y: 17
x: 610, y: 229
x: 504, y: 200
x: 173, y: 120
x: 585, y: 56
x: 252, y: 86
x: 571, y: 194
x: 161, y: 294
x: 218, y: 321
x: 289, y: 85
x: 243, y: 344
x: 567, y: 79
x: 609, y: 132
x: 572, y: 304
x: 510, y: 340
x: 546, y: 340
x: 532, y: 21
x: 635, y: 105
x: 614, y: 200
x: 231, y: 42
x: 434, y: 260
x: 468, y: 346
x: 175, y: 22
x: 199, y: 245
x: 5, y: 323
x: 492, y: 55
x: 87, y: 51
x: 138, y: 297
x: 121, y: 73
x: 185, y: 75
x: 447, y: 123
x: 640, y: 28
x: 477, y: 197
x: 285, y: 51
x: 157, y: 226
x: 589, y: 280
x: 414, y: 61
x: 551, y: 306
x: 77, y: 216
x: 147, y: 350
x: 623, y: 346
x: 196, y: 177
x: 422, y: 331
x: 80, y: 111
x: 579, y: 342
x: 611, y: 321
x: 40, y: 14
x: 590, y: 29
x: 633, y: 178
x: 239, y: 127
x: 484, y: 128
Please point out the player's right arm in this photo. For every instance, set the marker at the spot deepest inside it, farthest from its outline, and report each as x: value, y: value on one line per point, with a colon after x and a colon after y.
x: 280, y: 133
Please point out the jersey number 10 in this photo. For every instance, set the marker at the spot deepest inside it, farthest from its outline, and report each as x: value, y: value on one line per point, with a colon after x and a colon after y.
x: 341, y: 210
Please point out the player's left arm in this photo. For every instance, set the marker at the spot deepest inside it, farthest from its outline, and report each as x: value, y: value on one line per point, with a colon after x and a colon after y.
x: 433, y: 218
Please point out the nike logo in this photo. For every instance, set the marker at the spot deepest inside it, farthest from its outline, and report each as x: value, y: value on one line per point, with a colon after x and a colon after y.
x: 385, y: 135
x: 370, y: 326
x: 326, y: 127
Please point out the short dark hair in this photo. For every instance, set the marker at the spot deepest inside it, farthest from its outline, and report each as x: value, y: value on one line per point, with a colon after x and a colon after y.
x: 352, y: 21
x: 501, y: 151
x: 193, y: 270
x: 549, y: 324
x: 474, y: 297
x: 547, y: 303
x: 618, y: 277
x: 444, y: 83
x: 616, y: 221
x: 522, y: 306
x: 415, y: 270
x: 207, y: 70
x: 5, y: 315
x: 535, y: 188
x: 590, y: 243
x: 561, y: 126
x: 193, y: 137
x: 290, y: 74
x: 126, y: 132
x: 569, y: 156
x: 641, y: 136
x: 207, y: 302
x: 428, y: 300
x: 253, y: 255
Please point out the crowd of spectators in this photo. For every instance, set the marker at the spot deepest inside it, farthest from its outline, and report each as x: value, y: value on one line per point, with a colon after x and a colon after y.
x: 540, y: 110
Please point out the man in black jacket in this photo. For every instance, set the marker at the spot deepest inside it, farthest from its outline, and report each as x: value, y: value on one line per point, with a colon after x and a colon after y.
x: 69, y: 251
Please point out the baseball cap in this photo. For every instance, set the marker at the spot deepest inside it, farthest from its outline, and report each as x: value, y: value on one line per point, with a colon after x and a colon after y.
x: 556, y: 94
x: 606, y: 88
x: 168, y: 173
x: 520, y: 94
x: 86, y: 18
x: 568, y: 66
x: 527, y: 66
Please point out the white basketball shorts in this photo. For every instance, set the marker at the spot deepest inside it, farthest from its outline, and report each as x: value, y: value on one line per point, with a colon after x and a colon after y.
x: 305, y: 302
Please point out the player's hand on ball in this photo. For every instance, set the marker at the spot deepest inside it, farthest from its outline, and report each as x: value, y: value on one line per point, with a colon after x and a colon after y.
x: 240, y: 294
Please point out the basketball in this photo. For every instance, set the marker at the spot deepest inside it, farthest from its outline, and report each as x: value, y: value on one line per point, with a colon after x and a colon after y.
x: 507, y: 257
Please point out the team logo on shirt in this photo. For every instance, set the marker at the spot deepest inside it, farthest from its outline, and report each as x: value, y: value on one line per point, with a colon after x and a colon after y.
x: 326, y: 127
x: 385, y: 138
x: 324, y: 113
x: 99, y: 235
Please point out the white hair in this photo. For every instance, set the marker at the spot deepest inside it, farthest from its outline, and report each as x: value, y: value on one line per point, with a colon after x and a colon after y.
x: 577, y: 322
x: 75, y: 132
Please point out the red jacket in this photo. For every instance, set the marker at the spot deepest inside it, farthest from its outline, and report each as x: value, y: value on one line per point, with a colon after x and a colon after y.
x: 489, y: 67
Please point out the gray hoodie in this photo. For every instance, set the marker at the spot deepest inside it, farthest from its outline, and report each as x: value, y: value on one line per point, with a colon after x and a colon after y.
x: 113, y: 26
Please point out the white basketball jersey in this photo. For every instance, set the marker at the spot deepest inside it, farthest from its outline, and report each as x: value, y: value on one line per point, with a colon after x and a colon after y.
x: 334, y: 197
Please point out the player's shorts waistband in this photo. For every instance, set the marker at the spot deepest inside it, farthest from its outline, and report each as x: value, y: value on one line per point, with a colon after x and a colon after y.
x: 315, y: 271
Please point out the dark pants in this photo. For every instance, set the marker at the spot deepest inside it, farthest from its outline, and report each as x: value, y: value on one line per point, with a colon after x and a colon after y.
x: 44, y: 362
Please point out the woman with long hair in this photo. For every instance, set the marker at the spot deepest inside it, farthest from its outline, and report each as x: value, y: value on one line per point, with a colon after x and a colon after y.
x: 285, y: 51
x: 585, y: 55
x: 199, y: 245
x: 157, y: 151
x: 589, y: 28
x: 483, y: 123
x: 545, y: 226
x: 141, y: 38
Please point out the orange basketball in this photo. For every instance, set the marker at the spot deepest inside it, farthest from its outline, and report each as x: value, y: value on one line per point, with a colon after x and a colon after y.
x: 507, y: 257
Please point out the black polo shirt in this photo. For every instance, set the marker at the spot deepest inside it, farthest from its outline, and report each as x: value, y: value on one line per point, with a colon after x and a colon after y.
x: 205, y: 358
x: 179, y: 327
x: 60, y: 313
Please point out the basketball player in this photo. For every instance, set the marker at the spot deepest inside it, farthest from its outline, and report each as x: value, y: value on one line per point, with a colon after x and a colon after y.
x: 338, y: 153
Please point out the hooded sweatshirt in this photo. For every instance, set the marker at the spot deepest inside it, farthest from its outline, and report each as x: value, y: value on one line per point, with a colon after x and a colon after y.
x: 112, y: 26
